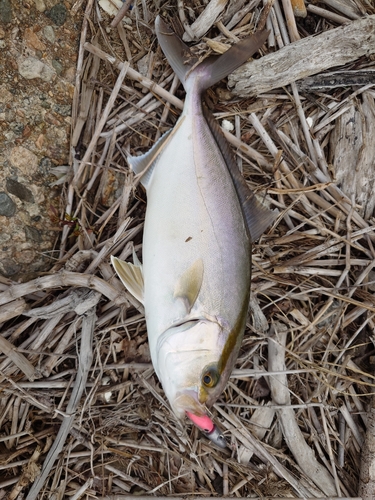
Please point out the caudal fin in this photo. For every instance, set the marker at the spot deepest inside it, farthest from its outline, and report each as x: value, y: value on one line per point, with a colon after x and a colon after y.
x: 211, y: 70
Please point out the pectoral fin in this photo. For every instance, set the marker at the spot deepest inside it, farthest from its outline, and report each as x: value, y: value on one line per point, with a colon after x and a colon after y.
x: 131, y: 277
x: 189, y: 284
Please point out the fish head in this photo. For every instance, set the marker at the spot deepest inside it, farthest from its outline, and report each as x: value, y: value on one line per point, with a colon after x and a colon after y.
x: 190, y: 365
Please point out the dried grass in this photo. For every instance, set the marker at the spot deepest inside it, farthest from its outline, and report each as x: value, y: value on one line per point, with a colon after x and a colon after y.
x: 82, y: 414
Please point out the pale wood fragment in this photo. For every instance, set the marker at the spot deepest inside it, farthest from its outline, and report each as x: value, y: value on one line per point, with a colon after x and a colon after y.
x: 304, y: 58
x: 11, y: 310
x: 17, y: 358
x: 303, y: 454
x: 327, y: 14
x: 85, y: 360
x: 367, y: 472
x: 353, y: 153
x: 346, y: 7
x: 204, y: 22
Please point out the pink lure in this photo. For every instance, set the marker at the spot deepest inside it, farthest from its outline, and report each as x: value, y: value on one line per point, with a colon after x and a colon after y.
x: 205, y: 424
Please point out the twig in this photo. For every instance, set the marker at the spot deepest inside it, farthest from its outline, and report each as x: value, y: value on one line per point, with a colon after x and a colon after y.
x: 292, y: 433
x: 327, y: 14
x: 85, y: 360
x: 101, y: 123
x: 121, y: 13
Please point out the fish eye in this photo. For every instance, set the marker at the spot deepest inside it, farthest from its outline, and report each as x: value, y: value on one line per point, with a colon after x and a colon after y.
x: 210, y: 376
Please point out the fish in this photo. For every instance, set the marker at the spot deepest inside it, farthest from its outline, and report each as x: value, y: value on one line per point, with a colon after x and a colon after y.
x: 201, y: 220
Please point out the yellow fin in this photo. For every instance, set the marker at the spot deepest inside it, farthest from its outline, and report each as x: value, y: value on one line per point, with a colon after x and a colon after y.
x: 131, y: 277
x: 189, y: 285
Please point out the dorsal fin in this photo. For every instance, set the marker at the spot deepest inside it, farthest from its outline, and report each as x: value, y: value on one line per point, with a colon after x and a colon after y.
x: 147, y: 162
x: 258, y: 218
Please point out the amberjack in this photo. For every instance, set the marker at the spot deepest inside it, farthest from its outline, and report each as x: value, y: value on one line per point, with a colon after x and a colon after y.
x: 201, y: 219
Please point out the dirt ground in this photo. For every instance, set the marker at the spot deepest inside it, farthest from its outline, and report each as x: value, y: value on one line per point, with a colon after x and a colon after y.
x: 39, y: 45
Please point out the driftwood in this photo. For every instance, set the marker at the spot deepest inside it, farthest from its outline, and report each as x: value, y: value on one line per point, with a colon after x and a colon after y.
x: 354, y: 152
x: 305, y: 57
x: 367, y: 475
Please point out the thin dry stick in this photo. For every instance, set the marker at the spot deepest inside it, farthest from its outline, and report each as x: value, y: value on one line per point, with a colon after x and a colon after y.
x: 121, y: 13
x: 331, y: 16
x: 101, y: 123
x: 85, y: 360
x: 136, y: 76
x: 292, y: 433
x: 234, y: 425
x: 290, y: 20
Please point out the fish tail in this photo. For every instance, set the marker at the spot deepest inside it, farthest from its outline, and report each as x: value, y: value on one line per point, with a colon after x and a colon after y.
x: 211, y: 70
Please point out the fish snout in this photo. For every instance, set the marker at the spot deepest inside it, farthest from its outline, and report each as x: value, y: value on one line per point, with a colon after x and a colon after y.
x: 187, y: 401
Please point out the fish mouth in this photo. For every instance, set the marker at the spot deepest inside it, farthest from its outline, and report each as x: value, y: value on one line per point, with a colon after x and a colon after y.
x: 187, y: 402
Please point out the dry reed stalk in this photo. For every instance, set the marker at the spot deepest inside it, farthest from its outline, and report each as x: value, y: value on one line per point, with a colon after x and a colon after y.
x: 331, y: 16
x: 292, y: 434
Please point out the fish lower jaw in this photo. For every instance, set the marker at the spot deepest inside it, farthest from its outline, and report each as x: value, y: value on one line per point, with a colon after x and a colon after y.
x: 187, y: 402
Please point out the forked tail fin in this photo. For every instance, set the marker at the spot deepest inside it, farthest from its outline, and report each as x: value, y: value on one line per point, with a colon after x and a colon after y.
x: 211, y: 70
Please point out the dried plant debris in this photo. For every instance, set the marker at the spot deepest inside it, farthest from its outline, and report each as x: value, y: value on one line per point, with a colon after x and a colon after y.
x: 82, y: 414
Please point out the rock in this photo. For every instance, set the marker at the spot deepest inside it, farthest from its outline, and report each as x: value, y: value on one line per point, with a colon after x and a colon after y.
x: 143, y: 64
x: 45, y: 166
x: 7, y: 206
x: 70, y: 74
x: 40, y: 5
x: 58, y: 14
x: 17, y: 189
x: 58, y: 67
x: 24, y: 159
x: 8, y: 267
x: 35, y: 105
x: 49, y: 34
x: 62, y: 109
x: 31, y: 67
x: 5, y: 11
x: 32, y: 233
x: 32, y: 40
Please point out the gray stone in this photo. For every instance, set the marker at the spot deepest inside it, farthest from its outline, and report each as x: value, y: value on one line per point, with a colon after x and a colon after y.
x: 40, y: 5
x: 7, y: 205
x: 9, y: 268
x: 5, y: 11
x: 45, y: 166
x: 17, y: 189
x: 57, y: 66
x: 33, y: 234
x: 58, y: 14
x: 31, y: 68
x: 62, y: 109
x: 49, y: 34
x: 17, y: 128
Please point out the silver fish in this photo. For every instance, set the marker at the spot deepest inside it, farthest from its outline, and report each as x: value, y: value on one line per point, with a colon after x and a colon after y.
x: 201, y: 219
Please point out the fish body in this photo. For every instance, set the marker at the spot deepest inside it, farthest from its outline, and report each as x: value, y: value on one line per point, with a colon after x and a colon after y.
x: 200, y: 222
